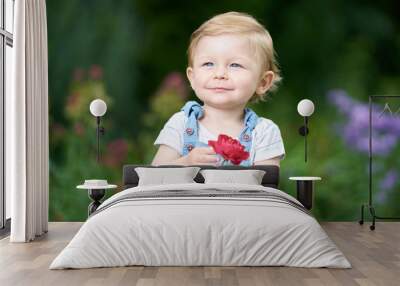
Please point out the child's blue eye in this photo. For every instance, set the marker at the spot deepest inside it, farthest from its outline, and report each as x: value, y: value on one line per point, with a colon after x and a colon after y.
x: 208, y: 64
x: 235, y: 65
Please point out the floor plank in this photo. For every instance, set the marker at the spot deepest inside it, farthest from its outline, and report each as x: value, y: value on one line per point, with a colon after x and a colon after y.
x: 374, y: 255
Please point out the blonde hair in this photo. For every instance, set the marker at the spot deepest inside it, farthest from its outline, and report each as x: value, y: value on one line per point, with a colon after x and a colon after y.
x: 241, y: 24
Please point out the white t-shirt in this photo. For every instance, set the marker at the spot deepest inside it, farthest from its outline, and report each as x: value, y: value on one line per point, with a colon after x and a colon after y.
x: 266, y: 137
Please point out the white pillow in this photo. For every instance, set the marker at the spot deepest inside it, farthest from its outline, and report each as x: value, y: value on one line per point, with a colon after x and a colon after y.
x: 249, y: 177
x: 163, y: 176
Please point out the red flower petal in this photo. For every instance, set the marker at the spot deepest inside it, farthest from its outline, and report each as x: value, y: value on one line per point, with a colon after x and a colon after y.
x: 229, y: 148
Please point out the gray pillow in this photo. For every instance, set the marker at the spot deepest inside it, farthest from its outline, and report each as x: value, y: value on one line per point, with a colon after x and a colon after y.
x: 163, y: 176
x: 249, y: 177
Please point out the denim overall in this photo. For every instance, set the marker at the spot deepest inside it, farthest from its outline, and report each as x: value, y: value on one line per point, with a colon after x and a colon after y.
x: 194, y: 111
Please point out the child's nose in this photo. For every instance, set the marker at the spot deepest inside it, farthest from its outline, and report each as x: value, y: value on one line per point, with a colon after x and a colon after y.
x: 220, y: 72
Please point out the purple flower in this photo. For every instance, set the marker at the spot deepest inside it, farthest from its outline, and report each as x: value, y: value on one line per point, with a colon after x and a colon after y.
x: 389, y: 181
x: 355, y: 131
x: 386, y: 185
x: 386, y: 122
x: 340, y: 98
x: 381, y: 197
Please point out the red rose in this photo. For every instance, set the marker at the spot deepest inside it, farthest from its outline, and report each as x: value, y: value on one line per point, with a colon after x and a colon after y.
x: 229, y: 148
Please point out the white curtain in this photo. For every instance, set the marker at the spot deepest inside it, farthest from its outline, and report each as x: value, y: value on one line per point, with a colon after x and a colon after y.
x: 27, y: 143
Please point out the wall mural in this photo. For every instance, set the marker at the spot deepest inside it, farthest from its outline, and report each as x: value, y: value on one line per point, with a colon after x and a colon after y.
x: 133, y: 57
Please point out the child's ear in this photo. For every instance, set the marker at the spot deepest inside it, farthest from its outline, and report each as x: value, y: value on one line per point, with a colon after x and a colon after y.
x: 265, y: 82
x: 189, y: 74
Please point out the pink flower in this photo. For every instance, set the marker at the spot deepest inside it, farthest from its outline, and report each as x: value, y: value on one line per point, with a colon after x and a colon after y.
x: 79, y: 129
x: 117, y: 151
x: 96, y: 72
x: 175, y: 81
x: 73, y: 99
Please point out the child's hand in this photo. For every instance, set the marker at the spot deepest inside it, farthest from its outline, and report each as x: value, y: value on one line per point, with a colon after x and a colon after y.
x: 201, y: 156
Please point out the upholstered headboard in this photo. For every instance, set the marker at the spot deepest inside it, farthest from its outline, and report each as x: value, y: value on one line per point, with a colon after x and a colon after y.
x: 271, y: 178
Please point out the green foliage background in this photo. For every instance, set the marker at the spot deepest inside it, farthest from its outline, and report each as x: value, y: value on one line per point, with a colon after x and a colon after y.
x: 132, y: 53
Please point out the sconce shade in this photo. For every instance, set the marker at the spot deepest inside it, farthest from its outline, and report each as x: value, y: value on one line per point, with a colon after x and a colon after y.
x: 305, y: 107
x: 98, y: 107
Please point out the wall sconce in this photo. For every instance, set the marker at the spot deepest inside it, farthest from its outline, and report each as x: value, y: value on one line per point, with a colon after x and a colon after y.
x: 98, y: 108
x: 305, y: 108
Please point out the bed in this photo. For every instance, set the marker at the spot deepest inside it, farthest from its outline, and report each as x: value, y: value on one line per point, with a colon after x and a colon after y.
x: 201, y: 224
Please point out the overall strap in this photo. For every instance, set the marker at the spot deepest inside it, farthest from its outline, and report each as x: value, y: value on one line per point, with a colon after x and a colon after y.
x: 193, y: 111
x: 245, y: 138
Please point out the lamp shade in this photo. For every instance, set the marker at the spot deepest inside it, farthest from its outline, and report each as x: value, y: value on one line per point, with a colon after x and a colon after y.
x: 305, y: 107
x: 98, y: 107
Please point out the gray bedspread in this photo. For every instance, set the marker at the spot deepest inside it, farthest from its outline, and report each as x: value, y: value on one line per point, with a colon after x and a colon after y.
x: 201, y: 224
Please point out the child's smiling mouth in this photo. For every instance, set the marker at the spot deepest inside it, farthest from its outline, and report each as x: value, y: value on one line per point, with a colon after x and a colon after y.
x: 220, y: 89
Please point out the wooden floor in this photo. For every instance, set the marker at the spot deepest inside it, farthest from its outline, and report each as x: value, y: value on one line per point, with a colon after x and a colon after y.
x: 374, y: 255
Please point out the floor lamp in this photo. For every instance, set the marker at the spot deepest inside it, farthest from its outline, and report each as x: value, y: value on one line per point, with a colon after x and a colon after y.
x: 305, y: 108
x: 98, y: 108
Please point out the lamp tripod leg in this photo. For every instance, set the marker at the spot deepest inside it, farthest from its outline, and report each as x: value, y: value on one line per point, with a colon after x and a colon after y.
x: 361, y: 221
x: 372, y: 211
